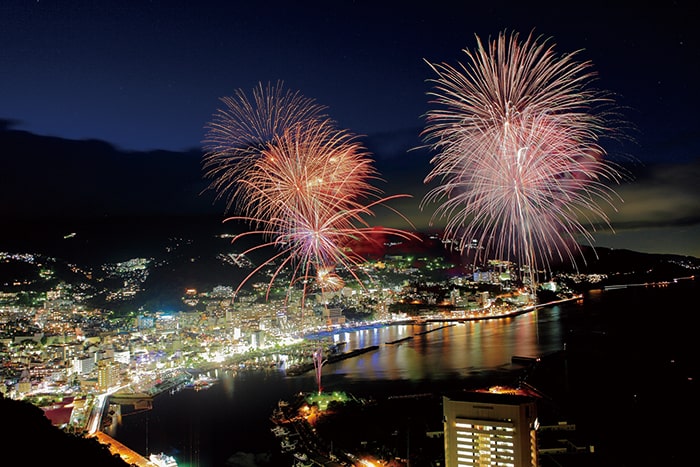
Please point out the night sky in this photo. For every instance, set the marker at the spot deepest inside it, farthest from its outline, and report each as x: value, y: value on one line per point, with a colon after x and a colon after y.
x: 146, y: 77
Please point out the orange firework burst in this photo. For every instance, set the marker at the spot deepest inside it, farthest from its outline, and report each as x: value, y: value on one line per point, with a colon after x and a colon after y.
x: 307, y: 169
x: 306, y: 187
x: 238, y: 134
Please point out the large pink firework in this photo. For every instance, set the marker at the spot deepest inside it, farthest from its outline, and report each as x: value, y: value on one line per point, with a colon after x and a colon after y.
x: 519, y: 164
x: 306, y: 188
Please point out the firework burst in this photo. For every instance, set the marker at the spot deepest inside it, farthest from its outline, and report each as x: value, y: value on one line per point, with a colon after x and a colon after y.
x: 302, y: 184
x: 310, y: 172
x: 519, y: 163
x: 239, y: 133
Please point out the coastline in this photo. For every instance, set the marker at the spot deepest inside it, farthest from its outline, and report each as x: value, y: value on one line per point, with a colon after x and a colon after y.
x: 602, y: 335
x: 302, y: 368
x: 178, y: 379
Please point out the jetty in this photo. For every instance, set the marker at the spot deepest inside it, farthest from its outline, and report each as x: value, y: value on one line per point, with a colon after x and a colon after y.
x: 399, y: 340
x: 127, y: 454
x: 301, y: 369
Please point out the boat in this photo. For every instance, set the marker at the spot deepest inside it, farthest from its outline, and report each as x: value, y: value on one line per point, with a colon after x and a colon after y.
x: 524, y: 360
x: 163, y: 460
x: 300, y: 456
x: 203, y: 382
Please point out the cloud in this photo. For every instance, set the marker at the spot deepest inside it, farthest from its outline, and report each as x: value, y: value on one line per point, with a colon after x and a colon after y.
x: 660, y: 212
x: 661, y: 196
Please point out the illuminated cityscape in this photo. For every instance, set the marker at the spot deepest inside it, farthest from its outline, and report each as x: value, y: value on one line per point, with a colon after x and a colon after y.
x: 55, y: 347
x: 367, y: 234
x: 64, y: 345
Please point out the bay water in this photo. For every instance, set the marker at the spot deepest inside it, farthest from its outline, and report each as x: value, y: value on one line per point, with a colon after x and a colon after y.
x: 630, y: 370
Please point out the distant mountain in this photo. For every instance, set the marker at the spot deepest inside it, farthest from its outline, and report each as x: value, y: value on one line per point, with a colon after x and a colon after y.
x: 181, y: 253
x: 196, y: 252
x: 88, y: 203
x: 53, y: 178
x: 646, y: 266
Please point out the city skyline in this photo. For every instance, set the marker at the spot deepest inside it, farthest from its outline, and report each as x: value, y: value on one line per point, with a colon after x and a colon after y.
x: 148, y: 78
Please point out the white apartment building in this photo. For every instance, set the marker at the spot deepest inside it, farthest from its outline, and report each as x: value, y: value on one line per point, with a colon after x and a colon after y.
x: 490, y: 429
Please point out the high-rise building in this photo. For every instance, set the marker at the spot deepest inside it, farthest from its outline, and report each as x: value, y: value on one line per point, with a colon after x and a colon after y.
x: 107, y: 374
x: 490, y: 428
x: 333, y: 316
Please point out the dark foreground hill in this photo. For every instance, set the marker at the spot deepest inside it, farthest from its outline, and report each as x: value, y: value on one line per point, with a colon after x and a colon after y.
x: 26, y: 423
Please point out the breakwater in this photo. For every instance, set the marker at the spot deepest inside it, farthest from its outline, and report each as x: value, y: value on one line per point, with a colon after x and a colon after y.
x: 403, y: 339
x: 303, y: 368
x: 484, y: 314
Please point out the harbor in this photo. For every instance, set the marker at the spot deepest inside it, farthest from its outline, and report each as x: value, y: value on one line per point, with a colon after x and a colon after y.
x: 230, y: 424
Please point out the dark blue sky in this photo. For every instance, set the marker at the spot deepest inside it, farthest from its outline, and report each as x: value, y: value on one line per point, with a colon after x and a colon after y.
x: 149, y: 75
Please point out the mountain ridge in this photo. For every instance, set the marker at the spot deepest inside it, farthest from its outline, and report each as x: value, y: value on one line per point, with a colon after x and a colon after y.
x: 197, y: 254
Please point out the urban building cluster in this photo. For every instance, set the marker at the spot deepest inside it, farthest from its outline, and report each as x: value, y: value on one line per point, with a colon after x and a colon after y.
x: 51, y: 342
x: 498, y: 425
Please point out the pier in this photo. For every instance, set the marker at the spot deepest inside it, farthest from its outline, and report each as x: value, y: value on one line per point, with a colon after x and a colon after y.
x: 129, y: 456
x: 300, y: 369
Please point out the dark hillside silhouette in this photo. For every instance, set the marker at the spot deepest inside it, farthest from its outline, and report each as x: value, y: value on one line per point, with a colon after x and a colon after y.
x: 25, y: 423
